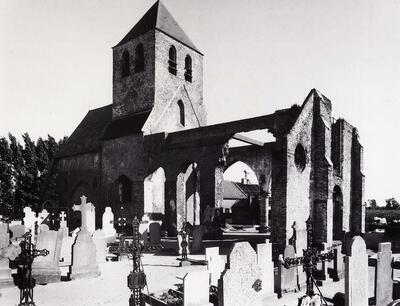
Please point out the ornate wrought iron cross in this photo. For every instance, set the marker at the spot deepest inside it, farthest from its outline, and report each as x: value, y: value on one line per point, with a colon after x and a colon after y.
x: 26, y: 282
x: 309, y: 261
x: 137, y: 277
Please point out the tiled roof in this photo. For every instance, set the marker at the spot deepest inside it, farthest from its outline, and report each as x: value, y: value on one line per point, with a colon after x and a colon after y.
x: 158, y: 17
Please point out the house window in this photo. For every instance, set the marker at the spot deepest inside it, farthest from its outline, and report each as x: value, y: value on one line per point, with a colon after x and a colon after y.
x: 125, y: 71
x: 300, y: 157
x: 139, y: 58
x: 172, y: 60
x: 188, y: 68
x: 181, y: 112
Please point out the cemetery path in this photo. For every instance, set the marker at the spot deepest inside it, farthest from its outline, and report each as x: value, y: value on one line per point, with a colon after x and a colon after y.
x: 111, y: 287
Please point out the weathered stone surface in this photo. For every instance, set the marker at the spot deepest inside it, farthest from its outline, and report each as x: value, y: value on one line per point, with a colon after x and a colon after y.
x: 356, y: 274
x: 155, y: 233
x: 196, y: 289
x: 264, y: 260
x: 287, y: 277
x: 198, y: 233
x: 17, y: 230
x: 6, y: 279
x: 384, y: 281
x: 215, y: 264
x: 66, y: 251
x: 100, y: 242
x: 84, y: 257
x: 45, y: 269
x: 241, y: 283
x: 108, y: 223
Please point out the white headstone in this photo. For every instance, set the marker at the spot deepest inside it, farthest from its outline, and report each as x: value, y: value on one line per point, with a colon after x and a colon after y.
x: 264, y: 260
x: 384, y: 281
x: 108, y: 223
x: 101, y: 245
x: 6, y: 279
x: 196, y: 291
x: 356, y: 274
x: 29, y: 218
x: 63, y: 223
x: 241, y: 284
x: 91, y: 218
x: 45, y: 269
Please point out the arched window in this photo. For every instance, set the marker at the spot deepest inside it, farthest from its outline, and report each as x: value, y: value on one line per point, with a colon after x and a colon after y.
x: 139, y: 58
x: 172, y: 60
x: 181, y: 112
x: 188, y: 68
x: 125, y: 71
x: 124, y: 189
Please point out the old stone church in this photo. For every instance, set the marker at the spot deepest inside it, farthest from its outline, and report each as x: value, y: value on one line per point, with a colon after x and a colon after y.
x: 151, y: 151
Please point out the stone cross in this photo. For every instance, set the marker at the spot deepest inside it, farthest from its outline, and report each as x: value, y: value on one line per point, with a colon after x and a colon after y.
x: 83, y: 208
x: 63, y: 216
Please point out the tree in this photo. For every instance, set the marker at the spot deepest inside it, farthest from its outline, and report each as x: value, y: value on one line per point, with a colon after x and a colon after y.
x: 6, y: 178
x: 17, y: 166
x: 391, y: 203
x: 372, y: 204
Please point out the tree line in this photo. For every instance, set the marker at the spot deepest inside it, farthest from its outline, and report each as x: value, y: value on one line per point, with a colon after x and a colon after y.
x: 26, y: 175
x: 391, y: 203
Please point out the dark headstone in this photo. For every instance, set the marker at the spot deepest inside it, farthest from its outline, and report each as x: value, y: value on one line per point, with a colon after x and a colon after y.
x: 155, y: 233
x: 339, y: 299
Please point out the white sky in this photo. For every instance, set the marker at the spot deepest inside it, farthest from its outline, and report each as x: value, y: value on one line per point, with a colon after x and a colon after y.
x: 56, y: 64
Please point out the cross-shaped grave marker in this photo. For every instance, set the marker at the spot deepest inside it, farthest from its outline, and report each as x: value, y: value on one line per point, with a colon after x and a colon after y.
x: 83, y: 208
x: 63, y: 222
x: 309, y: 260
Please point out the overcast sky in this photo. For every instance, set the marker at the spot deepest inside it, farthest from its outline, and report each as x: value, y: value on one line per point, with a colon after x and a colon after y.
x: 56, y: 64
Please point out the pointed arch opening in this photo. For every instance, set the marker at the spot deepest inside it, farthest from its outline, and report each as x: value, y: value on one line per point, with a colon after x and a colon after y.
x: 139, y: 58
x: 188, y: 68
x: 188, y: 196
x: 337, y: 213
x: 154, y: 194
x: 241, y: 204
x: 172, y: 60
x: 124, y: 189
x: 181, y: 107
x: 125, y: 67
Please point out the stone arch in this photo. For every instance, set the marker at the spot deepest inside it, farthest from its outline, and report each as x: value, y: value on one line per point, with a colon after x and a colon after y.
x: 48, y: 205
x: 241, y: 204
x: 154, y: 194
x: 337, y: 228
x: 188, y: 195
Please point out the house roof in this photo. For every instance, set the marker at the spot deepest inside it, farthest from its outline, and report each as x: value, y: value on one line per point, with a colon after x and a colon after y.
x: 98, y: 126
x: 159, y: 18
x: 87, y: 136
x: 232, y: 191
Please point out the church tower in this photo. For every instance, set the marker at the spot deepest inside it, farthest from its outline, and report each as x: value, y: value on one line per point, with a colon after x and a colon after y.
x: 158, y: 71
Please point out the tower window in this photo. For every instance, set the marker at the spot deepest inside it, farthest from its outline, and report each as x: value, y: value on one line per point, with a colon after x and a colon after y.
x: 188, y: 68
x: 125, y: 64
x: 181, y: 112
x: 139, y: 58
x: 172, y: 60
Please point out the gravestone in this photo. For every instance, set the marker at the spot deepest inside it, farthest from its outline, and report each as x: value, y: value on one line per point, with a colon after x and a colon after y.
x: 155, y: 233
x: 63, y: 224
x: 241, y: 284
x: 108, y: 224
x: 18, y: 230
x: 6, y: 279
x: 215, y: 266
x: 84, y: 250
x: 66, y: 250
x: 45, y: 269
x: 29, y: 219
x: 210, y: 252
x: 198, y: 233
x: 91, y: 218
x: 287, y: 277
x: 101, y: 245
x: 356, y: 274
x: 196, y: 290
x: 42, y: 216
x: 144, y: 229
x: 75, y: 233
x: 264, y: 260
x: 384, y: 281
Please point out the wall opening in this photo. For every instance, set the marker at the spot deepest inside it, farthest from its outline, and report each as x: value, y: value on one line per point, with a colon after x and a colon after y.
x: 337, y: 213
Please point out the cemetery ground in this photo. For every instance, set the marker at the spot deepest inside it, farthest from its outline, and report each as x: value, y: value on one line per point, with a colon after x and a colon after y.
x: 162, y: 271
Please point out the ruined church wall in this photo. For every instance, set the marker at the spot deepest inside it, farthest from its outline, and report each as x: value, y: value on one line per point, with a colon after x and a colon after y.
x: 298, y: 181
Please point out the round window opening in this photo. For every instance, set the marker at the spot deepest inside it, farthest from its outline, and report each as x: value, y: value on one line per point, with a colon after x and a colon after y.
x: 300, y: 157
